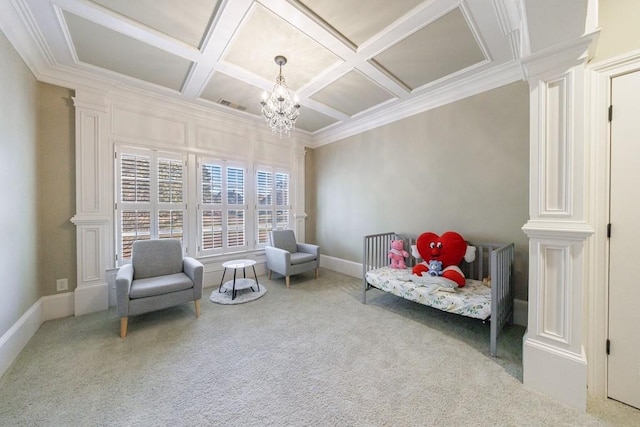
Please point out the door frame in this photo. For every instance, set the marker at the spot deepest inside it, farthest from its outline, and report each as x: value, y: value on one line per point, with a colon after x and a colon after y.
x: 599, y: 96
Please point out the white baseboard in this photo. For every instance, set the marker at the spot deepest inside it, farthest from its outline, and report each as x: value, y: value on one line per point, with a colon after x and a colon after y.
x: 17, y: 337
x: 555, y: 372
x: 91, y: 299
x: 350, y: 268
x: 354, y: 269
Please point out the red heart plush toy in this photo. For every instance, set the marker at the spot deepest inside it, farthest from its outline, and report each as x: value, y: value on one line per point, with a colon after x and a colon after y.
x: 450, y: 249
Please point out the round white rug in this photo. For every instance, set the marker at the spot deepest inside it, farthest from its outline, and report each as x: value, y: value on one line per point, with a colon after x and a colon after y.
x: 242, y: 295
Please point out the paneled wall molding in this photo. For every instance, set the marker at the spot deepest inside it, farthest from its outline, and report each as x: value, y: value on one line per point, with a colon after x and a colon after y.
x: 300, y: 229
x: 559, y: 57
x: 554, y: 358
x: 214, y: 117
x: 88, y: 220
x: 93, y: 201
x: 569, y: 230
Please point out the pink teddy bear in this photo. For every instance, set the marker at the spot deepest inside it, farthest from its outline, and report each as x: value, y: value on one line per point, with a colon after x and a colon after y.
x: 397, y: 254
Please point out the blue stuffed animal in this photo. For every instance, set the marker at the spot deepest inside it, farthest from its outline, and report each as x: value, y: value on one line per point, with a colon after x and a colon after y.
x: 435, y: 268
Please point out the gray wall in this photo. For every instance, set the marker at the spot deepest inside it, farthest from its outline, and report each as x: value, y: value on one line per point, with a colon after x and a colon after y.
x: 462, y: 167
x: 18, y: 192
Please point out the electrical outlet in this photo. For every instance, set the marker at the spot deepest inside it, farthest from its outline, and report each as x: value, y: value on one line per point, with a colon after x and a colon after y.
x: 62, y: 285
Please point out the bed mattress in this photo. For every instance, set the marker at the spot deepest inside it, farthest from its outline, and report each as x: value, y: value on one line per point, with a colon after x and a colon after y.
x: 472, y: 300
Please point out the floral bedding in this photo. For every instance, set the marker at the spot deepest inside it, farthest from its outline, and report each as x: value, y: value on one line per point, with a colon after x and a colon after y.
x: 472, y: 300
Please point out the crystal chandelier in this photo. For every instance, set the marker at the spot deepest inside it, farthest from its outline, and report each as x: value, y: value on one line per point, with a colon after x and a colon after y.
x: 279, y: 110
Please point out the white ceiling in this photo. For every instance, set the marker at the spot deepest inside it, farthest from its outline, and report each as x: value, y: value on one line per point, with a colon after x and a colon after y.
x: 349, y: 61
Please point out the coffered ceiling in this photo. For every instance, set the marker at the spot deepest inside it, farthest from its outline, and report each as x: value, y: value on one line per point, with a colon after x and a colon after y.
x: 349, y: 61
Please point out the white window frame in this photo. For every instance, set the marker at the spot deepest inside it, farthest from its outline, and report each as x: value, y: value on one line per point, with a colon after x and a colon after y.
x: 274, y: 207
x: 224, y: 206
x: 154, y: 206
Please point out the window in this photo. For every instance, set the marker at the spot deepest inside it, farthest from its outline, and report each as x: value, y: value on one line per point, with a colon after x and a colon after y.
x: 272, y: 202
x: 150, y: 194
x: 222, y: 208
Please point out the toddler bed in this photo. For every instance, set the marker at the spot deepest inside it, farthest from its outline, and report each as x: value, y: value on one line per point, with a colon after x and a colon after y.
x: 476, y: 299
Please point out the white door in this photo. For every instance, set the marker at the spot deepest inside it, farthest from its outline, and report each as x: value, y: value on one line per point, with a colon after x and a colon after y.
x: 624, y: 244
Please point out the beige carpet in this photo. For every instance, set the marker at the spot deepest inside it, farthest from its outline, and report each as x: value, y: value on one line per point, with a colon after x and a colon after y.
x: 311, y: 355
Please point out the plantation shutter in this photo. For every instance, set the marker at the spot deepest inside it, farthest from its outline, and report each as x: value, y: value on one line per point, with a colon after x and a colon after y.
x: 135, y: 201
x: 170, y: 198
x: 222, y: 207
x: 273, y: 202
x: 149, y: 197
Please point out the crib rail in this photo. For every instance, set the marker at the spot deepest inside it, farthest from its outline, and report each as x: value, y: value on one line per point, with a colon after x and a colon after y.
x: 502, y: 260
x: 376, y: 254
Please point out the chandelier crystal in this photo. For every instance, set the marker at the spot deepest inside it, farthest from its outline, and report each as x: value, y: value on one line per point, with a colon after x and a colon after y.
x: 278, y: 109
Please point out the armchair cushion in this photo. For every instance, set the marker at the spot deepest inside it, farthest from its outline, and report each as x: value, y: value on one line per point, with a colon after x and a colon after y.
x: 142, y: 288
x: 284, y: 239
x: 152, y: 258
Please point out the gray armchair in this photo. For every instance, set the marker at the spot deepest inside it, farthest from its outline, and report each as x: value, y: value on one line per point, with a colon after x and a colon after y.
x: 158, y: 277
x: 287, y: 257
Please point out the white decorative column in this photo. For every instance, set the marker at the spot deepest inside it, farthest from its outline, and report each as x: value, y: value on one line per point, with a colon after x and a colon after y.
x: 298, y: 171
x: 93, y: 202
x: 554, y: 360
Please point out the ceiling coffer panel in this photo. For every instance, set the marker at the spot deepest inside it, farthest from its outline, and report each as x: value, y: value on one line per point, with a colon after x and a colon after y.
x: 185, y: 20
x: 263, y: 36
x: 443, y: 47
x: 311, y: 120
x: 237, y: 94
x: 101, y: 47
x: 372, y: 16
x: 352, y: 93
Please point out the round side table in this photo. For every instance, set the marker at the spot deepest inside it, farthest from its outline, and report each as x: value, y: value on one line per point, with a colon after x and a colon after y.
x: 239, y: 283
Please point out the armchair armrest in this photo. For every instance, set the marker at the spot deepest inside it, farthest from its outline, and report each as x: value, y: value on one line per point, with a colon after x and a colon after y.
x: 278, y: 260
x: 123, y: 286
x: 309, y: 248
x: 195, y: 270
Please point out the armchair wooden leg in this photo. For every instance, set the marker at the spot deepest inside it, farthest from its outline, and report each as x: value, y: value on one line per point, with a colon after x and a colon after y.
x: 316, y: 274
x: 287, y: 280
x: 269, y: 276
x: 123, y: 326
x: 197, y: 303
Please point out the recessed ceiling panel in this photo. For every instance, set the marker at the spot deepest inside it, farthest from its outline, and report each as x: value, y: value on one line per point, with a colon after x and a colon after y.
x: 441, y: 48
x: 233, y: 93
x: 264, y: 36
x: 185, y: 20
x: 104, y: 48
x: 352, y: 93
x: 311, y: 120
x: 356, y: 20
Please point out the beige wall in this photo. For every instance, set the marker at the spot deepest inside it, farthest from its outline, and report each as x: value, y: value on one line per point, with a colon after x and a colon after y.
x: 619, y: 21
x: 310, y: 202
x: 18, y: 192
x: 462, y: 167
x: 56, y: 188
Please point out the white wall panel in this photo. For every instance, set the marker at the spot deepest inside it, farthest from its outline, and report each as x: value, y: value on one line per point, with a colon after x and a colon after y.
x: 555, y: 149
x: 148, y: 127
x: 89, y: 159
x: 555, y: 292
